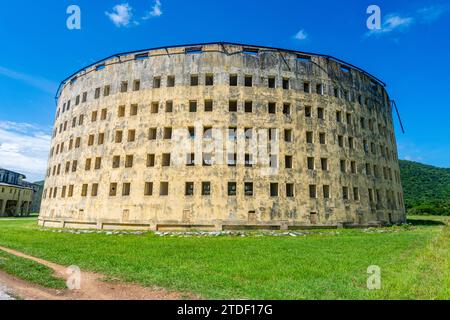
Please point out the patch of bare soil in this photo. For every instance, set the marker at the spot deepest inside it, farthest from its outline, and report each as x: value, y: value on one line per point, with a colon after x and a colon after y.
x: 92, y: 287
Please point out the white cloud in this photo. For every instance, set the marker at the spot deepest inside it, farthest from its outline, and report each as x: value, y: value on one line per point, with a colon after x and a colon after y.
x: 155, y: 12
x: 121, y: 15
x: 395, y: 22
x: 432, y: 13
x: 392, y: 22
x: 24, y: 148
x: 301, y: 35
x: 37, y: 82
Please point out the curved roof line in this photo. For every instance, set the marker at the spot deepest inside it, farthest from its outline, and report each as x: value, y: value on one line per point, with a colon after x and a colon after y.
x: 63, y: 82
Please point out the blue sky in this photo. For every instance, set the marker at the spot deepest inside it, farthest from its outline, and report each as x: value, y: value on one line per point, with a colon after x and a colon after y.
x: 409, y: 53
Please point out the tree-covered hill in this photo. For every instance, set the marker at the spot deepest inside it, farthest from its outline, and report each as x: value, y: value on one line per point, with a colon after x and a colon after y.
x: 426, y: 188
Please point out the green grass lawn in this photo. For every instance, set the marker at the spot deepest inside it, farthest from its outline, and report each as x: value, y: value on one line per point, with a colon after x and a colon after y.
x: 30, y: 271
x: 414, y: 261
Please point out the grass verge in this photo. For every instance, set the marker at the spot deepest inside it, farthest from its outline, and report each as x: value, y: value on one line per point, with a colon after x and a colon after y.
x: 30, y: 271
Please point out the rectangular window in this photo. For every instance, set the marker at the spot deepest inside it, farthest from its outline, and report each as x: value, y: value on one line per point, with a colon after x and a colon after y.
x: 189, y: 189
x: 150, y: 160
x: 288, y: 135
x: 84, y: 189
x: 248, y: 81
x: 133, y: 109
x: 272, y: 107
x: 310, y: 163
x: 324, y: 164
x: 248, y: 106
x: 148, y: 189
x: 136, y: 85
x: 87, y: 165
x: 152, y: 133
x: 98, y: 163
x: 163, y: 188
x: 319, y: 88
x: 118, y: 137
x: 206, y: 188
x: 231, y: 188
x: 306, y: 87
x: 116, y: 162
x: 370, y: 195
x: 289, y: 190
x: 322, y: 138
x: 131, y: 135
x: 307, y: 112
x: 208, y: 105
x: 355, y: 194
x: 154, y: 107
x: 320, y: 113
x: 156, y: 82
x: 170, y: 81
x: 192, y: 106
x: 84, y: 97
x: 309, y: 137
x: 353, y: 166
x: 248, y: 188
x: 271, y: 82
x: 126, y: 189
x: 233, y: 80
x: 121, y: 111
x: 350, y: 142
x: 106, y: 91
x: 103, y: 114
x: 165, y: 160
x: 288, y: 162
x: 274, y: 189
x: 326, y: 191
x: 338, y: 116
x: 194, y: 80
x: 97, y: 93
x: 124, y: 86
x: 112, y: 189
x: 312, y: 191
x: 342, y: 166
x: 190, y: 159
x: 285, y: 83
x: 167, y: 133
x: 94, y: 116
x: 286, y: 109
x: 345, y: 193
x: 70, y: 192
x: 248, y: 160
x: 231, y: 159
x: 169, y: 106
x: 232, y: 106
x: 349, y: 118
x: 209, y: 79
x: 128, y: 161
x: 94, y: 190
x: 341, y: 141
x: 91, y: 139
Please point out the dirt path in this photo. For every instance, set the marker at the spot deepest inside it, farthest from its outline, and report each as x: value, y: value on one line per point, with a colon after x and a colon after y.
x: 91, y: 287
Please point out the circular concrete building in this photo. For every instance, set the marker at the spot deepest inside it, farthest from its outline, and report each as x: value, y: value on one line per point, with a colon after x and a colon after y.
x: 222, y: 136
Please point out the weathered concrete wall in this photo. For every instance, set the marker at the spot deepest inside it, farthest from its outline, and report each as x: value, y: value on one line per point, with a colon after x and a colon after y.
x: 357, y: 95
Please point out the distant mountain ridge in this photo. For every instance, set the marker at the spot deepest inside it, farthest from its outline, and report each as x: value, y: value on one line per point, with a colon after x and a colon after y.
x: 426, y: 188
